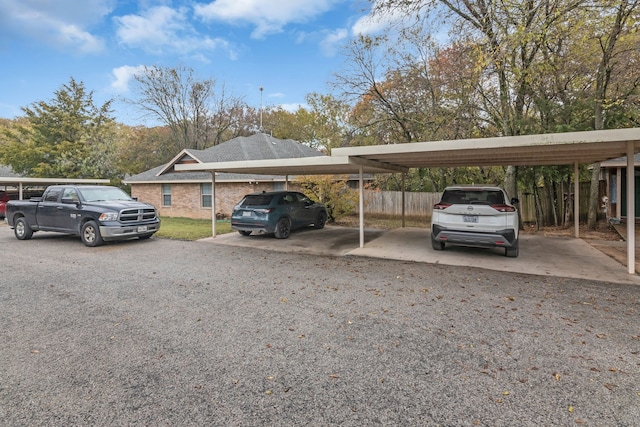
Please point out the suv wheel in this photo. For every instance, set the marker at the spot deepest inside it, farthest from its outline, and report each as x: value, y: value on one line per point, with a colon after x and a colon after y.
x: 283, y: 228
x: 436, y: 244
x: 320, y: 221
x: 511, y: 252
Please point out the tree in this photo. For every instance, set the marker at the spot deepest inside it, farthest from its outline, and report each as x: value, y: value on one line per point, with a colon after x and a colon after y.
x: 509, y: 37
x: 198, y: 112
x: 140, y: 148
x: 333, y: 191
x: 617, y: 42
x: 67, y: 137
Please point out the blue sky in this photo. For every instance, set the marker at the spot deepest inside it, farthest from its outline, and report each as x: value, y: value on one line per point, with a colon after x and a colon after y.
x: 289, y: 47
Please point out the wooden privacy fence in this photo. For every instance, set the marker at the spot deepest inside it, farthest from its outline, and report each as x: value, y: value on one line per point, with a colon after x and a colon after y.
x: 527, y: 202
x: 390, y: 203
x: 421, y: 204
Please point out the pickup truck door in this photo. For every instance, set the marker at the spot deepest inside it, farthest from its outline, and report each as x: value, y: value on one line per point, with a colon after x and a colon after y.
x: 68, y: 214
x: 52, y: 214
x: 47, y: 210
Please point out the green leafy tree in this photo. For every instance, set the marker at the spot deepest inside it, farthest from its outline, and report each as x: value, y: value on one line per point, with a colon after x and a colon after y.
x: 333, y: 191
x: 67, y: 137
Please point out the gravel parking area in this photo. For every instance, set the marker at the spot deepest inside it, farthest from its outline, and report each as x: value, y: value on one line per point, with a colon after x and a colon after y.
x: 166, y: 333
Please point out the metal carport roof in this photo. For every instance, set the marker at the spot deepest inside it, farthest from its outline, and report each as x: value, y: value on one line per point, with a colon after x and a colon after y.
x: 572, y: 148
x: 531, y: 150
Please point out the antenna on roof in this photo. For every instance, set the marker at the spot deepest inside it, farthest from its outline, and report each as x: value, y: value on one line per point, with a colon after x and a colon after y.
x: 261, y: 89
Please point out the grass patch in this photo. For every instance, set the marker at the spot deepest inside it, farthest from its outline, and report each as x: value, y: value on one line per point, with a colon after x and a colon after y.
x: 194, y: 229
x: 189, y: 228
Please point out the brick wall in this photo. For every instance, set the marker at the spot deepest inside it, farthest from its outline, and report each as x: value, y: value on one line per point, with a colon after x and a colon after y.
x: 186, y: 198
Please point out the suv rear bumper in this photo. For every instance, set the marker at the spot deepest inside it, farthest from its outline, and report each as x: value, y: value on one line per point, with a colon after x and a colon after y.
x: 499, y: 238
x: 261, y: 228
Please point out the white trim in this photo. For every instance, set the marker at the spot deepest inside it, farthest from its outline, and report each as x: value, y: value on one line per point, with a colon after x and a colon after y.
x: 175, y: 160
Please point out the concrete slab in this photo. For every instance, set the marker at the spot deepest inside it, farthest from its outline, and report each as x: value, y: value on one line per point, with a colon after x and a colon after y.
x: 546, y: 256
x: 332, y: 241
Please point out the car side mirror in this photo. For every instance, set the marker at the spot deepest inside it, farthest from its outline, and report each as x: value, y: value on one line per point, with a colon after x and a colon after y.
x: 70, y: 201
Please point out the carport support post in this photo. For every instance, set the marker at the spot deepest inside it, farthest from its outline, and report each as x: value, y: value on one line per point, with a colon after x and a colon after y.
x: 361, y: 206
x: 576, y: 199
x: 213, y: 203
x: 631, y: 211
x: 403, y: 200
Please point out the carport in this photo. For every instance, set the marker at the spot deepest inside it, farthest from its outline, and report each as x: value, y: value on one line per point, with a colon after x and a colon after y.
x: 573, y: 148
x: 20, y: 182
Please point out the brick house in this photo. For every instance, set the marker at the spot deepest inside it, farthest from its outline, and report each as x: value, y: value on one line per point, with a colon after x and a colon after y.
x: 188, y: 194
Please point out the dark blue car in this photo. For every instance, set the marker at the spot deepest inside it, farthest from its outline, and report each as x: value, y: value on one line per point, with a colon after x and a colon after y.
x: 277, y: 212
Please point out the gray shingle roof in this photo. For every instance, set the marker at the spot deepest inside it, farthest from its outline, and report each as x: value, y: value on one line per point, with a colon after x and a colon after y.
x: 259, y: 146
x: 620, y: 161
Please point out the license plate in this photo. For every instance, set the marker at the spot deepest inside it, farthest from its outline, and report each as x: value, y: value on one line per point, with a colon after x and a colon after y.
x: 142, y: 228
x: 470, y: 218
x: 246, y: 213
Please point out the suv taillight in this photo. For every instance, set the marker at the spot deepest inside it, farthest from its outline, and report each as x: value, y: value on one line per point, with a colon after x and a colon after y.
x: 441, y: 206
x: 264, y: 211
x: 503, y: 208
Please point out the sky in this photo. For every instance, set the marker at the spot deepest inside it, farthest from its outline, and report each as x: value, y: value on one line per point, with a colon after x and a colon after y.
x: 290, y: 48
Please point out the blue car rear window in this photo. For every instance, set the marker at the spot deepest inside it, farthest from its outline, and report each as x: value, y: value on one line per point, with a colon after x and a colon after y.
x: 257, y: 200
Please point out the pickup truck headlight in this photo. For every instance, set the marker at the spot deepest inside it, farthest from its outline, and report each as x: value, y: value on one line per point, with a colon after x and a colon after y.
x: 109, y: 216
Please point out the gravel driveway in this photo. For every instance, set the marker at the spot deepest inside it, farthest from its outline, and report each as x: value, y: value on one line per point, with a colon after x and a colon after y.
x: 168, y: 333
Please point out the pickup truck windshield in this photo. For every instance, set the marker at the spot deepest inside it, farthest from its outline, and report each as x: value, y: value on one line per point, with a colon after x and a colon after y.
x: 103, y: 194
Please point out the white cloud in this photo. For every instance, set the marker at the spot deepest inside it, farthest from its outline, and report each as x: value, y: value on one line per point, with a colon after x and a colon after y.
x: 268, y: 17
x: 164, y: 30
x: 329, y: 45
x: 292, y: 108
x: 372, y: 25
x: 62, y: 23
x: 123, y: 75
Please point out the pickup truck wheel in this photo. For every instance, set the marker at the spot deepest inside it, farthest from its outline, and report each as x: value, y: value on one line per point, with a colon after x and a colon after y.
x: 90, y: 234
x: 22, y: 230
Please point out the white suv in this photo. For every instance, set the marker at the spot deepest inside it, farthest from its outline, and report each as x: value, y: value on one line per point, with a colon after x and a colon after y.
x: 475, y: 216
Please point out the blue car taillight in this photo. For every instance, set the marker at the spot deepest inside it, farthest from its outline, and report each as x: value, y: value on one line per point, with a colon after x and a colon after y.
x: 264, y: 211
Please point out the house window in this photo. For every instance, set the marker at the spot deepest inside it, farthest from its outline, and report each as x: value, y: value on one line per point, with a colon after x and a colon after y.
x: 166, y: 194
x: 205, y: 195
x: 278, y: 186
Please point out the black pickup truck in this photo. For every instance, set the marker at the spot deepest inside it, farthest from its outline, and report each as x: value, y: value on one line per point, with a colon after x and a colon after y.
x: 96, y: 213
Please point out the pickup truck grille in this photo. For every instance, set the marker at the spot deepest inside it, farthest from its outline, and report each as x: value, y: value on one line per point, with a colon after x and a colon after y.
x: 135, y: 215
